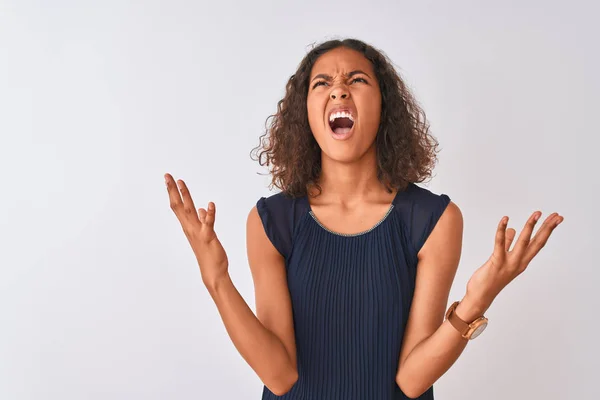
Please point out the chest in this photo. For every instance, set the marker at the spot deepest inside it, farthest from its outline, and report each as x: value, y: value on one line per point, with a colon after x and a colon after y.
x: 369, y: 271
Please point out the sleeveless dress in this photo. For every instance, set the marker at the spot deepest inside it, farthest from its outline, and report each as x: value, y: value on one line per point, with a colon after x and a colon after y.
x: 351, y: 293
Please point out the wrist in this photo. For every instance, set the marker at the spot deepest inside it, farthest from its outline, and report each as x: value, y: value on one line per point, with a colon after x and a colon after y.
x: 215, y: 284
x: 470, y: 309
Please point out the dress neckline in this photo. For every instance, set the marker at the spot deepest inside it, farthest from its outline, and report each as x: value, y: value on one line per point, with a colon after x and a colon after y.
x: 385, y: 217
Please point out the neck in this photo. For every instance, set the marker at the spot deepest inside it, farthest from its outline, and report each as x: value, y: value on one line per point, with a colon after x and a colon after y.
x: 350, y: 183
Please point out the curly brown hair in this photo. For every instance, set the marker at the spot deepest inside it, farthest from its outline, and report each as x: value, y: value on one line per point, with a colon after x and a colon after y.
x: 406, y: 152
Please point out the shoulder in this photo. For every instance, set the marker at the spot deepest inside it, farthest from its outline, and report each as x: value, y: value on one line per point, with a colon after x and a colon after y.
x: 282, y: 207
x: 416, y: 200
x: 425, y: 212
x: 279, y: 214
x: 277, y: 200
x: 421, y: 197
x: 443, y: 230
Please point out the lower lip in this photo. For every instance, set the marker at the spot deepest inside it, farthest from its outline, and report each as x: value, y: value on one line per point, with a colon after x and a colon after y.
x: 343, y: 136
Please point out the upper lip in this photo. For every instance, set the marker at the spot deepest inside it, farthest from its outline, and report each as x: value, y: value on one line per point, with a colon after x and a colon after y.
x: 341, y: 108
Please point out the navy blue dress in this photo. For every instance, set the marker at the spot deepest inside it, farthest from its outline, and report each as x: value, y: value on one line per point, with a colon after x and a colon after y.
x: 351, y: 294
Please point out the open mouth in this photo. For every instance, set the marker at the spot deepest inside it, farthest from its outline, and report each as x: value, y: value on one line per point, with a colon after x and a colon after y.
x: 341, y: 122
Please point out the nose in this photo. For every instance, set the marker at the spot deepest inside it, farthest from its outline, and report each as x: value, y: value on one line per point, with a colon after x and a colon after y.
x: 339, y: 92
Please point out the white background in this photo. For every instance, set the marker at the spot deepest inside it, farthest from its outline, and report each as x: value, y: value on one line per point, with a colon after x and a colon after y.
x: 100, y: 294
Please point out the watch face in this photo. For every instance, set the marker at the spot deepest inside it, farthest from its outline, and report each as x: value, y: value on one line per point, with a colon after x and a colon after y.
x: 479, y: 330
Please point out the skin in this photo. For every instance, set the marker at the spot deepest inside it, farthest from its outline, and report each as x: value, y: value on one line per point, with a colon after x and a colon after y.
x: 359, y: 91
x: 352, y: 198
x: 266, y: 340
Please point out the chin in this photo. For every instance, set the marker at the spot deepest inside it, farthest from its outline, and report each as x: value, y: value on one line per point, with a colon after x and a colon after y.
x: 342, y: 154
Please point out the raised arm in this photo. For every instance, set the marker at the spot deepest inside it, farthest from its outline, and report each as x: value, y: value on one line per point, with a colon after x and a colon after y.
x: 266, y: 341
x: 431, y: 344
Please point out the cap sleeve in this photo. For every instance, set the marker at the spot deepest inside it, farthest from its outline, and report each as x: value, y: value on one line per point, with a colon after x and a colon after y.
x: 427, y: 210
x: 275, y: 219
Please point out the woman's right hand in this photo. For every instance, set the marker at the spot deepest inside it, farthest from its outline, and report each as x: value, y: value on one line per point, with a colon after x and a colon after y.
x: 198, y: 227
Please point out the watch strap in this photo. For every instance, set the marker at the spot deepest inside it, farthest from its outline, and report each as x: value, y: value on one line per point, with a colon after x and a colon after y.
x: 460, y: 325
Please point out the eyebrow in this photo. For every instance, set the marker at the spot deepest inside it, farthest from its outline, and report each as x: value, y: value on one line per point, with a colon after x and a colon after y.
x: 349, y: 75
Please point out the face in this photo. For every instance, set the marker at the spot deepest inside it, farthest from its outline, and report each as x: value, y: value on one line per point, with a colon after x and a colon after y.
x: 344, y: 104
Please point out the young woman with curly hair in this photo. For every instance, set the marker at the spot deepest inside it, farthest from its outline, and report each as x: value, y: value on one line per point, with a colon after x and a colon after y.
x: 352, y: 262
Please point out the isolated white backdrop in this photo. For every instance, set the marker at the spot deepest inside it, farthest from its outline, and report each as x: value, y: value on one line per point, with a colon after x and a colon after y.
x: 100, y: 295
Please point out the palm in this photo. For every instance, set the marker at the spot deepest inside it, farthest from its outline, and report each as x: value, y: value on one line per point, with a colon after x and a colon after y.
x: 198, y: 227
x: 505, y: 264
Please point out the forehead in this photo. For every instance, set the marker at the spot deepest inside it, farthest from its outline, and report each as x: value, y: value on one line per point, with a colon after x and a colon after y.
x: 341, y: 60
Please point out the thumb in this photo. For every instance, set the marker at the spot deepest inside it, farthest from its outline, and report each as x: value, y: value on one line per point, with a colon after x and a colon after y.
x: 202, y: 215
x: 210, y: 215
x: 510, y: 235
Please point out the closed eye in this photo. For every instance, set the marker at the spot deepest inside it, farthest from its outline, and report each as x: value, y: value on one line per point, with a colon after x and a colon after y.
x: 319, y: 83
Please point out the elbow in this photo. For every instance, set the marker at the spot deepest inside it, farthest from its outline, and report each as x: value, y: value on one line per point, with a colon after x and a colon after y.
x: 283, y: 383
x: 411, y: 391
x: 414, y: 395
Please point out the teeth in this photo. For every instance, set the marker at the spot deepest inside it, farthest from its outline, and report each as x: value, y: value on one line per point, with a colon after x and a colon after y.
x: 340, y: 114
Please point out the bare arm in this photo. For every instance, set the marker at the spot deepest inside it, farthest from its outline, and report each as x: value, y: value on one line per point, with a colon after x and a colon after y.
x: 265, y: 341
x: 430, y: 345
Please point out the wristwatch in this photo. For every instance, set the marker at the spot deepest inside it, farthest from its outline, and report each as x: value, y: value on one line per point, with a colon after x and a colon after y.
x: 467, y: 330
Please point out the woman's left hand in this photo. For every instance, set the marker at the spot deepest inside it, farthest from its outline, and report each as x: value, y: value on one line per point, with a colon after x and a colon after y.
x: 503, y: 265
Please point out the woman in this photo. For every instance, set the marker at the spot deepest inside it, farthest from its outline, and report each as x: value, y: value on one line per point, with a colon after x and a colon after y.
x: 352, y: 262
